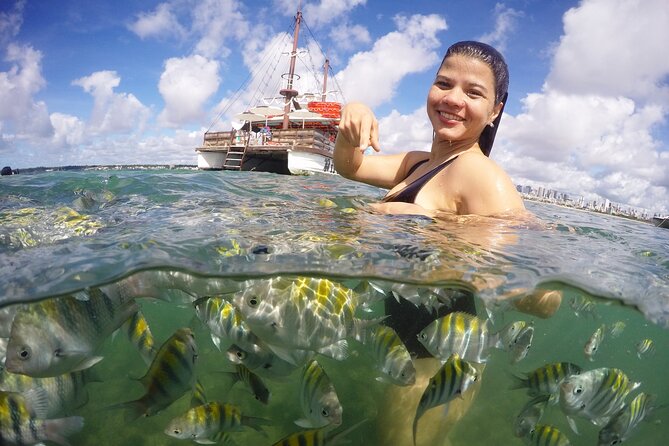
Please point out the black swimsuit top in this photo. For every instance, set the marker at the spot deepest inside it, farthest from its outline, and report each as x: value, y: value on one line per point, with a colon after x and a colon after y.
x: 408, y: 194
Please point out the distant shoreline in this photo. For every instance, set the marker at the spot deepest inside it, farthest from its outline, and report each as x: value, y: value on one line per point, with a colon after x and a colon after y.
x: 626, y: 217
x: 29, y: 170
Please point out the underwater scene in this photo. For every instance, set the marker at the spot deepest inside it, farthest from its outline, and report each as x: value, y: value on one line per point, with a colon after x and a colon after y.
x: 170, y: 307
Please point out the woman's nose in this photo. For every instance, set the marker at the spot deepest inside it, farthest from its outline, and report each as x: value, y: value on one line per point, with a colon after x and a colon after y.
x: 454, y: 97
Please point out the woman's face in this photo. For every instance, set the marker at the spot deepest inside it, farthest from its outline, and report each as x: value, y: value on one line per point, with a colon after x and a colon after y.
x: 461, y: 101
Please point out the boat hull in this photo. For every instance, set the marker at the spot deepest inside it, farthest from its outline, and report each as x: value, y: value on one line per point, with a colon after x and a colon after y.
x: 661, y: 222
x: 305, y: 163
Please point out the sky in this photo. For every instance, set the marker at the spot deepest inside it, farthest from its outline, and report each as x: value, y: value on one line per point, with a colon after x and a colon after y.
x: 127, y: 82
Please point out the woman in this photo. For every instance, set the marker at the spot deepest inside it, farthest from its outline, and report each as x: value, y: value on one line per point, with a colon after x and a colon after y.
x: 464, y: 105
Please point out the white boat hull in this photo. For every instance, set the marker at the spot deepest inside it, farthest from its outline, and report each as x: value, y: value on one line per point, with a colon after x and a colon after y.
x: 210, y: 160
x: 306, y: 163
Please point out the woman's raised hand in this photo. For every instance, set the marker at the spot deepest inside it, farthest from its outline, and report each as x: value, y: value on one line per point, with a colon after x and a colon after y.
x: 359, y: 126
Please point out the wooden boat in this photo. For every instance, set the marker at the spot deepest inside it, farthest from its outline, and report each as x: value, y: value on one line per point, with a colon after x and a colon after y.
x: 661, y: 222
x: 292, y: 133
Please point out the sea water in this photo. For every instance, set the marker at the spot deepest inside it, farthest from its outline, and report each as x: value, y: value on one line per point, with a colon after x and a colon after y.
x: 64, y: 232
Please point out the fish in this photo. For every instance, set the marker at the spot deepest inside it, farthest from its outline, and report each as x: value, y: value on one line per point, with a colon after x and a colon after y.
x: 22, y: 423
x: 170, y: 375
x: 545, y: 435
x: 206, y: 423
x: 530, y: 415
x: 301, y: 313
x: 392, y: 357
x: 254, y: 382
x: 582, y: 305
x: 62, y: 394
x: 452, y: 379
x: 264, y: 362
x: 6, y: 317
x: 3, y: 351
x: 596, y: 395
x: 645, y: 347
x: 521, y: 344
x: 546, y: 379
x: 623, y: 423
x: 318, y: 398
x: 139, y: 334
x: 225, y: 323
x: 464, y: 334
x: 593, y: 343
x: 61, y: 335
x: 616, y: 329
x: 316, y: 437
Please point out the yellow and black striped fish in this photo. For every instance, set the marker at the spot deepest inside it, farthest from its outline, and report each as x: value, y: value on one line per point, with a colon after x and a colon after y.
x: 546, y: 379
x: 315, y: 437
x: 645, y: 347
x: 621, y: 426
x: 451, y: 380
x: 392, y: 357
x: 170, y: 375
x: 545, y: 435
x: 318, y: 398
x: 207, y: 422
x: 139, y: 333
x: 461, y: 333
x: 21, y: 425
x: 252, y: 381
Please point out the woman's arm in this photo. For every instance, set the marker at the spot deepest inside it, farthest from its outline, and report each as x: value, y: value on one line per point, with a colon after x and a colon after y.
x: 358, y: 129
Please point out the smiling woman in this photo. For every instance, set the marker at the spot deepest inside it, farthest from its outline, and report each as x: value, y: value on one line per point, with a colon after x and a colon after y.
x: 464, y: 105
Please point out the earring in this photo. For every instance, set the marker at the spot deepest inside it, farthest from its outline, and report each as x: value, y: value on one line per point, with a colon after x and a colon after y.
x: 492, y: 124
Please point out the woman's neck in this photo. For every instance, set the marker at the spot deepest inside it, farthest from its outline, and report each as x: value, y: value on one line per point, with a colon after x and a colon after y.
x: 443, y: 150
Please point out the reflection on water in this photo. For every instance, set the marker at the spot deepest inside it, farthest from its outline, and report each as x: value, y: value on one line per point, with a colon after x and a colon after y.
x: 242, y: 308
x: 285, y: 326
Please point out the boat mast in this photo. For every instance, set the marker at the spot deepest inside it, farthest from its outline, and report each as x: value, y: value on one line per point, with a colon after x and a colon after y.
x: 288, y: 92
x: 326, y: 67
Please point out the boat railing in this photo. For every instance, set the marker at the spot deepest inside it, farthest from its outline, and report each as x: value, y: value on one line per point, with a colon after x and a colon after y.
x: 313, y: 138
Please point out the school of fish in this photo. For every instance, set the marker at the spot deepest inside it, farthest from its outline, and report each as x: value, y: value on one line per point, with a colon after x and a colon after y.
x: 267, y: 330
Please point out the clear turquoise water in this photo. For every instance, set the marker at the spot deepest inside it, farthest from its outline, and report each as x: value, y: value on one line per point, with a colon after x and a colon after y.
x: 61, y: 232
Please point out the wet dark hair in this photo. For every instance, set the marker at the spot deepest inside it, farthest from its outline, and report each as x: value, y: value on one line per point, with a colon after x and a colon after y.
x: 491, y: 57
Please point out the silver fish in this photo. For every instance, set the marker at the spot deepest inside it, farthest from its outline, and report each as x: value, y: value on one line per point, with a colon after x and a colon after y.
x: 3, y: 351
x: 170, y: 375
x: 139, y: 334
x: 594, y: 342
x: 22, y: 423
x: 546, y: 379
x: 61, y: 335
x: 262, y: 361
x: 521, y: 344
x: 62, y: 394
x: 596, y: 395
x: 616, y: 329
x: 206, y: 423
x: 392, y: 357
x: 464, y: 334
x: 451, y: 380
x: 318, y: 398
x: 530, y: 415
x: 583, y: 306
x: 224, y: 322
x: 6, y: 317
x: 545, y: 435
x: 300, y: 313
x: 621, y: 426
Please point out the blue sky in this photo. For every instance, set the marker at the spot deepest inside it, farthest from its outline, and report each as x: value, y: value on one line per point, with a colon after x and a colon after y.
x: 139, y: 82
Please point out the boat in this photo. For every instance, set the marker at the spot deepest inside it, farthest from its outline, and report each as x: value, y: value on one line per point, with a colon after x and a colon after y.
x: 291, y: 133
x: 661, y: 221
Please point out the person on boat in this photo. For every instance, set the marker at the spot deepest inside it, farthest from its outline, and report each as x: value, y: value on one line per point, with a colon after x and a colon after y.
x: 456, y: 177
x: 464, y: 105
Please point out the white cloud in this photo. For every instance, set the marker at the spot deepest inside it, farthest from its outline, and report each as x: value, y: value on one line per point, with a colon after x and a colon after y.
x: 22, y: 114
x: 614, y: 47
x: 399, y: 133
x: 218, y: 21
x: 326, y: 11
x: 348, y: 37
x: 186, y: 84
x: 505, y: 23
x: 373, y: 76
x: 591, y: 129
x: 10, y: 22
x: 69, y: 130
x: 112, y: 112
x: 160, y: 23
